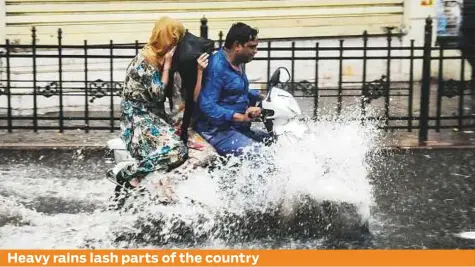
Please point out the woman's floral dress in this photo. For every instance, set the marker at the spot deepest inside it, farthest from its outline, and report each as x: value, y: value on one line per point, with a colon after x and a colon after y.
x: 146, y: 128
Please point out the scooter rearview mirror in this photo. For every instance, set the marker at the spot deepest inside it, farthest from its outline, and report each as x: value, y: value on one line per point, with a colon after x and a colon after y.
x: 284, y: 77
x: 274, y: 80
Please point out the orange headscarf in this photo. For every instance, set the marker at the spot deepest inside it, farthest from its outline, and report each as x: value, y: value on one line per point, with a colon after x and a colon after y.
x: 165, y: 35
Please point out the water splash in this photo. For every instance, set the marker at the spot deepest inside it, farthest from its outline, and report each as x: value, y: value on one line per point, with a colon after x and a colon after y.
x: 295, y: 190
x: 300, y: 188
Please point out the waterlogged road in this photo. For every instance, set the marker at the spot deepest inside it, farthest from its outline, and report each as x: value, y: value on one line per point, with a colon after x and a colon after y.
x: 58, y: 199
x: 424, y: 199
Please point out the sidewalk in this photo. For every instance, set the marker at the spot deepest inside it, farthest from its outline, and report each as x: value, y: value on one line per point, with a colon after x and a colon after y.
x: 28, y: 139
x: 444, y: 139
x: 97, y: 140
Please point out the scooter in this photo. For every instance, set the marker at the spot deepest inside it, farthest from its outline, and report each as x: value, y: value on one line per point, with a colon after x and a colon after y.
x: 280, y: 115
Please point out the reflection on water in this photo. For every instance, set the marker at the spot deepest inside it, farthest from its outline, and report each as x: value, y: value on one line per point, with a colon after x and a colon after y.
x: 314, y: 195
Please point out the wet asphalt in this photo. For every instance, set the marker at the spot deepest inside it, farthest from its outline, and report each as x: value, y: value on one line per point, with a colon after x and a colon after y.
x: 423, y: 198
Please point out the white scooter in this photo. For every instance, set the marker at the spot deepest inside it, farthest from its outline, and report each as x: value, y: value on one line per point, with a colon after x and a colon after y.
x: 280, y: 110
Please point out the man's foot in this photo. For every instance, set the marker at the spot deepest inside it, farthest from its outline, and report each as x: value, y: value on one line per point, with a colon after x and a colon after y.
x: 196, y: 145
x: 165, y: 192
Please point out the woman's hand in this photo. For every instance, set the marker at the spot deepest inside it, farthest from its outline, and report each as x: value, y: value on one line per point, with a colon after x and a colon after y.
x: 168, y: 58
x: 202, y: 64
x: 203, y: 61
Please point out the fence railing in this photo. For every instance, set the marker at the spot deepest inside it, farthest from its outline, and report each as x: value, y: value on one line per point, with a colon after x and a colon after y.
x: 65, y: 87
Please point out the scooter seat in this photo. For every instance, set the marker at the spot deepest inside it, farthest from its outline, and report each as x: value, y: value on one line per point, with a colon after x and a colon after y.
x: 200, y: 157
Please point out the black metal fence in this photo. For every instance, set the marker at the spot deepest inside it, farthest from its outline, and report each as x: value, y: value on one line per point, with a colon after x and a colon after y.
x: 63, y: 87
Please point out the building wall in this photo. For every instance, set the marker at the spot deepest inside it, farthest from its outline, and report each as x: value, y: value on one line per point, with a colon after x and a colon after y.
x: 125, y: 21
x: 2, y: 21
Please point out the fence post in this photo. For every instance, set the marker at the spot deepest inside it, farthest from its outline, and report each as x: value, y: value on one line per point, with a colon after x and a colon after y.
x: 204, y: 28
x: 60, y: 73
x: 220, y: 42
x: 35, y: 93
x: 9, y: 87
x: 425, y: 88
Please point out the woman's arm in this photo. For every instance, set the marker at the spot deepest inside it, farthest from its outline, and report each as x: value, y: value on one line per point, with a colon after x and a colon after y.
x: 197, y: 90
x: 155, y: 82
x: 167, y: 65
x: 202, y: 64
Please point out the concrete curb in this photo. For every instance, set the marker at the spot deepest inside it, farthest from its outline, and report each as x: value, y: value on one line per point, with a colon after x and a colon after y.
x: 438, y: 147
x: 50, y: 146
x: 71, y: 146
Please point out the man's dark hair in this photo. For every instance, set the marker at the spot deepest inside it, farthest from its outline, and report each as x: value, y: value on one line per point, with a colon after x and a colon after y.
x: 240, y: 33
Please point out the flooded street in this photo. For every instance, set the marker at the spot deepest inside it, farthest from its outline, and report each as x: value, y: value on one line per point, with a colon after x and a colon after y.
x: 415, y: 199
x: 424, y: 198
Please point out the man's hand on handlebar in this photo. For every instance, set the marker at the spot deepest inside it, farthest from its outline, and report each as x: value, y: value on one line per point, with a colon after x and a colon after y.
x: 251, y: 113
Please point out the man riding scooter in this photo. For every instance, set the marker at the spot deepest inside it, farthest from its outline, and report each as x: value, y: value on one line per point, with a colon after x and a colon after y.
x: 226, y: 105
